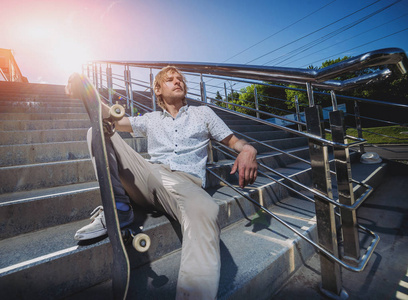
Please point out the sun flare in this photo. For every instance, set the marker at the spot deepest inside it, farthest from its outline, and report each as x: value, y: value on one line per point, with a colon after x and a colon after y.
x: 69, y: 56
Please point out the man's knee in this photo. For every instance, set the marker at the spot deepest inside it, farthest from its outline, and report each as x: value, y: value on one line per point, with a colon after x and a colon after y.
x: 204, y: 212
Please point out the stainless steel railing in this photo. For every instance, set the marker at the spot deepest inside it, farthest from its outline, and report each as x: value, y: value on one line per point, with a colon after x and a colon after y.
x: 393, y: 62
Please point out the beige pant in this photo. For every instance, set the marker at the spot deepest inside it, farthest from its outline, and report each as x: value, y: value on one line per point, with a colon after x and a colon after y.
x: 180, y: 196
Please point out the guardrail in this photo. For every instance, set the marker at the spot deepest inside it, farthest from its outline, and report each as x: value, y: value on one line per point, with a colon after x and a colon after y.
x: 393, y: 61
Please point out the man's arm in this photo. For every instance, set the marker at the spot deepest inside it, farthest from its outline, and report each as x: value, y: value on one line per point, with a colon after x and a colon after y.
x: 245, y: 162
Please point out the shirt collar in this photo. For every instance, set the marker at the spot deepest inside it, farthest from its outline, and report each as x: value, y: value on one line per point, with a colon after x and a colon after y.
x: 183, y: 109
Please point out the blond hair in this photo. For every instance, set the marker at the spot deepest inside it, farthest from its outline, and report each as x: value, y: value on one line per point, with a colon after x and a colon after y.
x: 160, y: 78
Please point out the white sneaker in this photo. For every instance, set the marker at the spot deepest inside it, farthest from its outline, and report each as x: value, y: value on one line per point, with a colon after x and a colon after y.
x: 97, y: 227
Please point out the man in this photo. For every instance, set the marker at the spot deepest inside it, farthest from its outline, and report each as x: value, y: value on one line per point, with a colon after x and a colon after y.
x: 172, y: 180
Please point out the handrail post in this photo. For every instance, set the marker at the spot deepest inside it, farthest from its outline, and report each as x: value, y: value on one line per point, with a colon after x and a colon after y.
x: 358, y: 125
x: 202, y: 89
x: 349, y: 226
x: 109, y: 81
x: 152, y: 93
x: 325, y: 214
x: 310, y: 94
x: 94, y: 74
x: 256, y: 102
x: 298, y: 112
x: 96, y: 81
x: 129, y: 91
x: 101, y: 77
x: 226, y: 94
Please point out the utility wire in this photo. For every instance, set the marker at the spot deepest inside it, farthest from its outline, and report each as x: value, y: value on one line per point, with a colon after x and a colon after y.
x: 313, y: 32
x: 328, y: 36
x: 256, y: 44
x: 332, y: 45
x: 376, y: 40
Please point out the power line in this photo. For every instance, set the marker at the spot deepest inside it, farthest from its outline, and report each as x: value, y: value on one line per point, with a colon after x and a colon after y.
x: 329, y: 35
x: 313, y: 32
x: 364, y: 32
x: 376, y: 40
x: 256, y: 44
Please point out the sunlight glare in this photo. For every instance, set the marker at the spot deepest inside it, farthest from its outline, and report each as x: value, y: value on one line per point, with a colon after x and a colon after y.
x: 69, y: 55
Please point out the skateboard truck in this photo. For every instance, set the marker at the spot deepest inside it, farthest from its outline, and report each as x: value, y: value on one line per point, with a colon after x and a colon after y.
x: 116, y: 113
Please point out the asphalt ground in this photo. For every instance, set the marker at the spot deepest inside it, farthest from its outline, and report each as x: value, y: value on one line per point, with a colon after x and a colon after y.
x: 386, y: 274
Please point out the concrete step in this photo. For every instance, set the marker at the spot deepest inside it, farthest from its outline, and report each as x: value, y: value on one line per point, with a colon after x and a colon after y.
x: 65, y: 102
x: 44, y: 175
x: 12, y: 155
x: 15, y: 125
x: 33, y: 97
x: 267, y: 135
x: 31, y: 87
x: 282, y: 144
x: 23, y: 212
x: 245, y: 273
x: 41, y: 109
x: 43, y: 116
x: 42, y: 136
x: 251, y: 128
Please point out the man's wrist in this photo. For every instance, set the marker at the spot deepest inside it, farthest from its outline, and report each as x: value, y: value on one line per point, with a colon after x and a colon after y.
x: 249, y: 147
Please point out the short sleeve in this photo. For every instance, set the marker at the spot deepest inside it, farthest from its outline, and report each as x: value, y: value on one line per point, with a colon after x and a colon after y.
x: 216, y: 126
x: 139, y: 125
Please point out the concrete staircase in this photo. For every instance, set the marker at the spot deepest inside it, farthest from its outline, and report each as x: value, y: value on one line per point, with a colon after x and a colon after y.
x: 48, y: 188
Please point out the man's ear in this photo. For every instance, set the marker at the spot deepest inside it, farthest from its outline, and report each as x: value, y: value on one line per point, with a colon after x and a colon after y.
x: 157, y: 91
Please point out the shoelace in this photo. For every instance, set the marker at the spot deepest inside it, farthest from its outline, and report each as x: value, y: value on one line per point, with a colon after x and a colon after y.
x: 96, y: 212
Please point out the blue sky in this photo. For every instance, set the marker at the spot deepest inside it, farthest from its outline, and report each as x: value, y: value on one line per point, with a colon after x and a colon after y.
x: 51, y: 39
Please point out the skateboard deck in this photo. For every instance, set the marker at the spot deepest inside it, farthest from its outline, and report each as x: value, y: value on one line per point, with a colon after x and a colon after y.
x: 79, y: 86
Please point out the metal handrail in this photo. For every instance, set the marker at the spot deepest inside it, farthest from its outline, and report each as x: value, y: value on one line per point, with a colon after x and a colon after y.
x: 394, y: 58
x: 388, y: 61
x: 324, y: 197
x: 360, y: 264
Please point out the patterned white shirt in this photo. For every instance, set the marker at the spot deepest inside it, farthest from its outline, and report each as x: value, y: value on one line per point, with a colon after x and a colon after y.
x: 181, y: 142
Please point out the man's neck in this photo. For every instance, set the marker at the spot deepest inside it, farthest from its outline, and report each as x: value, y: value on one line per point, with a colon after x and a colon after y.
x: 173, y: 109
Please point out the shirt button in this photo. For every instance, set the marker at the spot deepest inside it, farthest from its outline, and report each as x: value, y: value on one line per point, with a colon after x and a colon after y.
x: 176, y: 145
x: 175, y: 130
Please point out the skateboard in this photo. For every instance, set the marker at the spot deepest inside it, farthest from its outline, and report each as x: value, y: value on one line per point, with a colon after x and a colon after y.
x: 79, y: 86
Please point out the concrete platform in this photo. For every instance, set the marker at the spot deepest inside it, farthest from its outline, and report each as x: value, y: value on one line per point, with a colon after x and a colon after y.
x: 386, y: 275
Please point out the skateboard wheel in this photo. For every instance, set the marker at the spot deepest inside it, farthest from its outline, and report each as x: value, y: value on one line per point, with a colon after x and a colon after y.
x: 141, y: 242
x: 117, y: 112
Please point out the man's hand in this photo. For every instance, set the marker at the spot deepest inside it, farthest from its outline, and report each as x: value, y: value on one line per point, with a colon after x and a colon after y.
x: 245, y: 163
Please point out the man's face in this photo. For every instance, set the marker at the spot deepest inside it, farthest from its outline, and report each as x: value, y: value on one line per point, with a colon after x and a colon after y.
x: 172, y: 88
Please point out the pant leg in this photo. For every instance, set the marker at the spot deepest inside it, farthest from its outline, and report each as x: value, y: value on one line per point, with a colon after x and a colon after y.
x: 118, y: 190
x: 180, y: 196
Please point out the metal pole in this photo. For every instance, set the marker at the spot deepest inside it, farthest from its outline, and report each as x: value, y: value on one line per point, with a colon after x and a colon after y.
x: 96, y: 77
x: 342, y: 163
x: 152, y: 93
x: 226, y: 94
x: 256, y: 101
x: 202, y: 89
x: 358, y: 125
x: 310, y: 94
x: 325, y: 214
x: 128, y: 86
x: 109, y: 81
x: 298, y: 112
x: 101, y: 77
